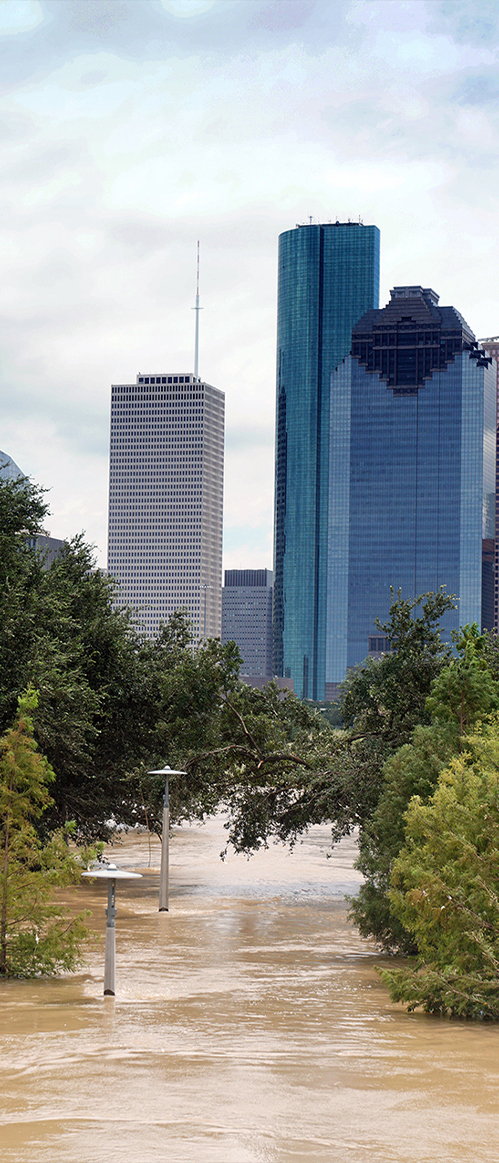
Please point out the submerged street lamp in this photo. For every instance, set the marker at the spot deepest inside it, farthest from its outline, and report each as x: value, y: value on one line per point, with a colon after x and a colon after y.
x: 111, y: 873
x: 165, y: 837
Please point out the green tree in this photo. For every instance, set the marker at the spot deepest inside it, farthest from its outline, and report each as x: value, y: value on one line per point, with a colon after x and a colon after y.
x: 413, y: 770
x: 22, y: 511
x: 336, y: 776
x: 445, y: 888
x: 462, y: 692
x: 465, y: 689
x: 110, y: 702
x: 37, y: 934
x: 385, y: 699
x: 271, y: 746
x: 192, y: 687
x: 113, y: 705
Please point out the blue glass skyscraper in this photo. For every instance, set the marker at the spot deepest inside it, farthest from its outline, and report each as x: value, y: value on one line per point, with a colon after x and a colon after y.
x: 411, y: 471
x: 328, y: 278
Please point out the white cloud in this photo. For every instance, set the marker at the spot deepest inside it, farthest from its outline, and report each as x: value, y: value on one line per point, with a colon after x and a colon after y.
x: 187, y: 8
x: 19, y: 16
x: 125, y: 141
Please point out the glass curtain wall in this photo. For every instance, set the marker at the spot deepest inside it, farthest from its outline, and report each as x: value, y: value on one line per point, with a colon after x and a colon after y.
x: 411, y: 475
x: 328, y: 278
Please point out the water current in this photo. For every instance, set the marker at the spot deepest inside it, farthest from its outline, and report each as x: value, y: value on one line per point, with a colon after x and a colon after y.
x: 248, y: 1026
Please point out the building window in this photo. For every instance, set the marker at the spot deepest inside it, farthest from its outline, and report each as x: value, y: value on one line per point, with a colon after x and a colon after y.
x: 379, y: 645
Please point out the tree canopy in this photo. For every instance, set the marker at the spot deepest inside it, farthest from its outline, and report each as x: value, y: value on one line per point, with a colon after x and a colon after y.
x: 111, y: 704
x: 37, y: 934
x: 445, y: 888
x: 337, y: 775
x: 463, y: 691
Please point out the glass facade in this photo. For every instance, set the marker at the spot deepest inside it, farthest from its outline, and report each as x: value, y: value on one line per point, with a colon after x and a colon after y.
x: 412, y: 470
x: 328, y: 278
x: 490, y: 579
x: 8, y: 468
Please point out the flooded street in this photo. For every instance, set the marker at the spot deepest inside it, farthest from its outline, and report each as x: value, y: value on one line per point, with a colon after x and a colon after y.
x: 248, y: 1026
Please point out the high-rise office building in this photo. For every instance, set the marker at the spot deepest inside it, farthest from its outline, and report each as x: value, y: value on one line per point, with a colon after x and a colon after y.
x: 491, y: 347
x: 247, y: 618
x: 166, y: 500
x: 328, y: 278
x: 9, y: 470
x: 411, y: 471
x: 47, y: 547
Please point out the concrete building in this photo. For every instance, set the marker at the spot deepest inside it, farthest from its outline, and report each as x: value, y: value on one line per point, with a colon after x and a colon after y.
x: 412, y: 440
x: 328, y: 278
x: 247, y: 618
x: 166, y: 500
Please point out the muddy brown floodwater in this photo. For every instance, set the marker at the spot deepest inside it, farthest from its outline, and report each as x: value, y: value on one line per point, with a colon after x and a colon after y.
x: 249, y: 1026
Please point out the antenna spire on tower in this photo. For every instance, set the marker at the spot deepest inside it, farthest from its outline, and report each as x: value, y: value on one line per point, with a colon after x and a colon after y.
x: 197, y: 309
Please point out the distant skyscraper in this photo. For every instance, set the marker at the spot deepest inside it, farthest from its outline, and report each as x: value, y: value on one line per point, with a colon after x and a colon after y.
x: 48, y: 547
x: 491, y: 347
x: 328, y: 278
x: 8, y: 468
x: 247, y: 618
x: 166, y: 500
x: 411, y: 472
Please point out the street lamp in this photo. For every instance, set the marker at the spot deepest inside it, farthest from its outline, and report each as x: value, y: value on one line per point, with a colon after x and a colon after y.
x: 111, y: 873
x: 165, y: 837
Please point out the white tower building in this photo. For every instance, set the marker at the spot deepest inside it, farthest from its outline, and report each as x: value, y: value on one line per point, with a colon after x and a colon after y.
x: 166, y: 500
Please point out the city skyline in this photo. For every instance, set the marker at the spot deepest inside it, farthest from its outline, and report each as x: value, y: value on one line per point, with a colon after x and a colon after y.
x: 131, y: 131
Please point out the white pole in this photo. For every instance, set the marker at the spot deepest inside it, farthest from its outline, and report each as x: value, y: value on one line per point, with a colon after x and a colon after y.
x: 165, y: 837
x: 165, y: 852
x: 110, y: 956
x: 197, y: 309
x: 107, y: 871
x: 196, y: 343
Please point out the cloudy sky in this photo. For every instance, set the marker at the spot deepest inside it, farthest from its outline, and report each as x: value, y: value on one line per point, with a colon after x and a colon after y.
x: 132, y: 128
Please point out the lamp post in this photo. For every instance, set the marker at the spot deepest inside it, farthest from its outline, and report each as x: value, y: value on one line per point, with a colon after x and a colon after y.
x: 165, y: 837
x: 111, y: 873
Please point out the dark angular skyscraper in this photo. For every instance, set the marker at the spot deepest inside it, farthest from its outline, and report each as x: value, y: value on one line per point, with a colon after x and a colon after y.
x: 411, y: 471
x: 328, y: 279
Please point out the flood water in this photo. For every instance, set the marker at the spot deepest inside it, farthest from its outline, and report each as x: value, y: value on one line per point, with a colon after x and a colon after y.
x: 248, y: 1026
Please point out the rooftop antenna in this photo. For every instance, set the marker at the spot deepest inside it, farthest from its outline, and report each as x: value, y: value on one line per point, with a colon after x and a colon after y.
x: 197, y: 309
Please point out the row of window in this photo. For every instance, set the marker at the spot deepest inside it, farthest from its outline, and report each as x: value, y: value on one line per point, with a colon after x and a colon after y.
x: 167, y: 380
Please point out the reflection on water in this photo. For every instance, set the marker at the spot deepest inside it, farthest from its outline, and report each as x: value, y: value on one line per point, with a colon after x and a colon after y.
x: 248, y: 1027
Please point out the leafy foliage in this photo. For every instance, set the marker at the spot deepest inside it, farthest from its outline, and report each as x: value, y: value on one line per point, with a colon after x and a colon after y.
x: 37, y: 935
x: 289, y: 768
x: 445, y: 888
x: 463, y: 691
x: 111, y: 704
x: 385, y: 699
x: 412, y: 770
x: 243, y: 748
